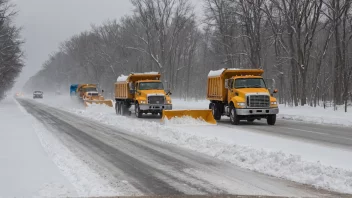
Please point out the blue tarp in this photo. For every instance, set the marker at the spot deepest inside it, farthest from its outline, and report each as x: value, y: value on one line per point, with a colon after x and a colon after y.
x: 73, y: 89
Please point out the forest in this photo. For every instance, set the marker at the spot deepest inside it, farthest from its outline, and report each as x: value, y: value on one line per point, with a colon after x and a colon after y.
x: 305, y: 45
x: 11, y: 55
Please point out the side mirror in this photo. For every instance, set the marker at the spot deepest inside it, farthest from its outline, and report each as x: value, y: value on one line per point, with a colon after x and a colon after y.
x: 132, y: 88
x: 168, y: 92
x: 102, y: 91
x: 228, y: 83
x: 275, y: 91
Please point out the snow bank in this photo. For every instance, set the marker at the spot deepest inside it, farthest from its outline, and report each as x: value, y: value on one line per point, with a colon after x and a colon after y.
x: 86, y: 181
x: 25, y: 168
x: 186, y: 120
x: 317, y: 115
x: 273, y: 162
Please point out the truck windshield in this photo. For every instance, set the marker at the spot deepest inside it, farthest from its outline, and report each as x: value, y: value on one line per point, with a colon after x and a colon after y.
x: 249, y: 83
x: 151, y: 86
x: 88, y: 89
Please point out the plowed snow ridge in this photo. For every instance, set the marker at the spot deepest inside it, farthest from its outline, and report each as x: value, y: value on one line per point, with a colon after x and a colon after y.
x: 275, y: 163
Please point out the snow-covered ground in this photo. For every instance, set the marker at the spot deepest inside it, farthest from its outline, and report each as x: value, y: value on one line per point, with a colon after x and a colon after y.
x: 34, y: 163
x: 294, y: 160
x: 25, y: 168
x: 317, y: 115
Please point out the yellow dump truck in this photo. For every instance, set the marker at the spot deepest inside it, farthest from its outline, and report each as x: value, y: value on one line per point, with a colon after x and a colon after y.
x: 144, y: 91
x: 241, y: 94
x: 88, y: 93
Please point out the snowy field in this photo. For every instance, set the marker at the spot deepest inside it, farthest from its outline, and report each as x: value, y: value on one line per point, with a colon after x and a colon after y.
x: 286, y: 158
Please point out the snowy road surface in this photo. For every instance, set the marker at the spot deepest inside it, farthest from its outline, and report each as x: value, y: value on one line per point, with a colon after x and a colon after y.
x: 150, y: 167
x: 312, y: 124
x: 324, y: 134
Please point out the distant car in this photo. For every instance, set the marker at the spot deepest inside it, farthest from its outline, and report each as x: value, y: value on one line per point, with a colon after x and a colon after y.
x: 38, y: 94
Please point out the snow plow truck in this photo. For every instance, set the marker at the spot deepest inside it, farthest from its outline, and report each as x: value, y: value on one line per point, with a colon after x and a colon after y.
x: 143, y: 90
x: 88, y: 94
x: 241, y: 94
x: 146, y: 93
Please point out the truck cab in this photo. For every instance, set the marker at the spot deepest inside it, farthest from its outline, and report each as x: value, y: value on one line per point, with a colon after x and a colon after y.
x: 143, y: 90
x: 241, y: 95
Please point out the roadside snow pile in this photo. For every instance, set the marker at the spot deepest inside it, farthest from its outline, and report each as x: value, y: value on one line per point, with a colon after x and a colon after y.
x: 316, y: 115
x: 270, y: 162
x: 185, y: 120
x: 85, y: 180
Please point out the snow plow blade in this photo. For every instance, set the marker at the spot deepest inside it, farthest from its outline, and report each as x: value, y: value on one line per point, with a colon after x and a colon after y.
x: 206, y: 115
x: 106, y: 102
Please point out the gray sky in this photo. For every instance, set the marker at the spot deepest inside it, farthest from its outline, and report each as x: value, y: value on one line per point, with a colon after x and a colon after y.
x: 47, y: 23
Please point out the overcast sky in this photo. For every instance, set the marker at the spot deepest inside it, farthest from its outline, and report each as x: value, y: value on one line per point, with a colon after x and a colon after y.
x: 47, y: 23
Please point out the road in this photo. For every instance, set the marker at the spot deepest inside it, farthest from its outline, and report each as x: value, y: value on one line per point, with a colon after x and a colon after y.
x: 155, y: 168
x: 324, y: 134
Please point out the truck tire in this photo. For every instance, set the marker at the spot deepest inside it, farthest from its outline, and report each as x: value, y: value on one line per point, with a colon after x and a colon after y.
x: 234, y: 118
x: 123, y: 109
x: 137, y: 111
x: 118, y: 108
x: 271, y: 119
x: 216, y: 111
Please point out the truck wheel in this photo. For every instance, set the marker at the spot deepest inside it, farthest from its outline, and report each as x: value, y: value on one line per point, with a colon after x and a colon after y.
x: 117, y: 108
x: 233, y: 116
x: 271, y: 119
x: 137, y: 111
x: 216, y: 113
x: 122, y: 109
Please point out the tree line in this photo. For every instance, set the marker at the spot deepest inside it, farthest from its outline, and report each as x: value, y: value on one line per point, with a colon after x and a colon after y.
x: 11, y: 55
x: 305, y: 45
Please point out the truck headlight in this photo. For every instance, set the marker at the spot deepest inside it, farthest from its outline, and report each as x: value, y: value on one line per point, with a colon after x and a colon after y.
x: 143, y: 102
x: 169, y: 102
x: 274, y: 103
x: 241, y: 104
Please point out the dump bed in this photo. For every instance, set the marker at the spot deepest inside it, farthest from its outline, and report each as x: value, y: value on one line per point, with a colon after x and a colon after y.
x: 216, y: 89
x: 122, y: 86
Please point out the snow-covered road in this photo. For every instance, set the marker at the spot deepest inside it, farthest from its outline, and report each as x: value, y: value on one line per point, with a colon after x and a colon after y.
x: 152, y: 167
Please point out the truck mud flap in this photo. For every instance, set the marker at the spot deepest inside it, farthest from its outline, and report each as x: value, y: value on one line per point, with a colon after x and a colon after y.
x: 205, y: 115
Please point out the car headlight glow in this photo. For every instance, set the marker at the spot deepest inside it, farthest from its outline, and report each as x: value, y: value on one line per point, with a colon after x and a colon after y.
x: 241, y: 104
x: 169, y: 102
x: 274, y: 103
x: 143, y: 102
